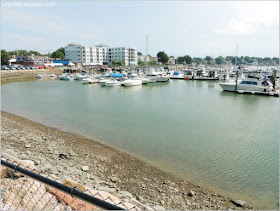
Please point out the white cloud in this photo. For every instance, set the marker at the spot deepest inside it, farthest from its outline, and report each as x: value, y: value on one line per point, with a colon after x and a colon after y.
x: 237, y: 27
x: 250, y: 16
x: 41, y: 29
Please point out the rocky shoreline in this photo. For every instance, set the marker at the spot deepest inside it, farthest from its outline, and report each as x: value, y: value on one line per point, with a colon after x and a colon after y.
x: 103, y: 168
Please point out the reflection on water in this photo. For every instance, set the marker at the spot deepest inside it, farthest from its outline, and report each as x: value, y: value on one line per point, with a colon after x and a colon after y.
x: 226, y: 141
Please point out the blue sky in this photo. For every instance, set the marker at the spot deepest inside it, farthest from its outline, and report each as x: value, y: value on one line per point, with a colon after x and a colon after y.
x: 195, y: 28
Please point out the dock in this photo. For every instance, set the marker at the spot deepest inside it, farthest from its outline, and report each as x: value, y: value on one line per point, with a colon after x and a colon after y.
x: 275, y: 94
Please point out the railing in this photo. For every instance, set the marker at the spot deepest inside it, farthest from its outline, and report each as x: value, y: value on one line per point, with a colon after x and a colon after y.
x: 37, y: 192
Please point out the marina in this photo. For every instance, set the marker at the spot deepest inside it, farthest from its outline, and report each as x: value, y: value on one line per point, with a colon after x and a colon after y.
x: 192, y: 128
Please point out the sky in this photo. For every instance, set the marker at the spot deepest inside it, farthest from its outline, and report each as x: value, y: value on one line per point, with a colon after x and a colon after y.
x: 179, y: 28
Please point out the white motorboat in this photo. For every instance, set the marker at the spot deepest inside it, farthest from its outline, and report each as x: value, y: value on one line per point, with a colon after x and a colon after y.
x: 42, y: 76
x: 158, y: 77
x: 79, y: 76
x: 103, y: 81
x: 65, y: 77
x: 132, y: 82
x: 52, y: 76
x: 248, y: 84
x: 93, y: 80
x: 113, y: 83
x: 177, y: 75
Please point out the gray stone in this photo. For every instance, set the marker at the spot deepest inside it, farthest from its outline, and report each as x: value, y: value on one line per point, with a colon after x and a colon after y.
x: 125, y: 194
x: 110, y: 190
x: 62, y: 155
x: 27, y: 146
x: 23, y: 139
x: 191, y: 193
x: 114, y: 179
x: 238, y: 203
x: 159, y: 208
x: 85, y: 168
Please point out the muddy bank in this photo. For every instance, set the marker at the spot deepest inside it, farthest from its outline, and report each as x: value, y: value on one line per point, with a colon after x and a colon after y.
x: 100, y: 167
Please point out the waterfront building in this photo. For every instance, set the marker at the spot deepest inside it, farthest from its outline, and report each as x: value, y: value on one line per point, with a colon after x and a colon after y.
x: 100, y: 54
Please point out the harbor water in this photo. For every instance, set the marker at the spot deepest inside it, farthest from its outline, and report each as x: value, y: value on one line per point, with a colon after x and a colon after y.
x: 224, y: 141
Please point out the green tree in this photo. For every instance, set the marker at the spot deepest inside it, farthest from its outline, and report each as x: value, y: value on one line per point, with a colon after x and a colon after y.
x: 229, y: 58
x: 188, y: 59
x: 180, y: 59
x: 276, y: 59
x: 247, y: 59
x: 4, y: 57
x: 139, y: 53
x: 219, y: 60
x: 197, y: 60
x: 208, y: 59
x: 59, y: 54
x: 152, y: 63
x: 114, y: 63
x: 141, y: 63
x: 36, y: 53
x: 120, y: 63
x: 162, y: 57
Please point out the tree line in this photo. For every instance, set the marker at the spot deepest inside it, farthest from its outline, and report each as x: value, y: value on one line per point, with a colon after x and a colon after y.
x: 208, y: 60
x: 6, y: 55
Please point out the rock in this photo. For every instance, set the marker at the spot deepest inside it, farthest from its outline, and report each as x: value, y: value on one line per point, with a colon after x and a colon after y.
x: 140, y: 205
x: 110, y: 190
x: 238, y: 203
x: 23, y: 139
x: 85, y: 168
x: 145, y: 179
x: 63, y: 156
x: 8, y: 156
x: 191, y: 193
x: 114, y: 179
x: 125, y: 194
x: 54, y: 171
x: 159, y: 208
x: 23, y: 157
x: 140, y: 198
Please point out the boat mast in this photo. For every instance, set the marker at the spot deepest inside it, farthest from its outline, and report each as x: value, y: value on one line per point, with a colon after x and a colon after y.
x: 237, y: 72
x: 236, y: 54
x: 146, y: 52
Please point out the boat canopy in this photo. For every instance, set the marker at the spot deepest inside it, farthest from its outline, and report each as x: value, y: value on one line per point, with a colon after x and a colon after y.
x: 175, y: 73
x: 116, y: 75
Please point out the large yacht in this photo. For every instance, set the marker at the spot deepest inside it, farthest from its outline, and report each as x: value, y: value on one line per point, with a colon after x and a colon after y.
x: 250, y: 84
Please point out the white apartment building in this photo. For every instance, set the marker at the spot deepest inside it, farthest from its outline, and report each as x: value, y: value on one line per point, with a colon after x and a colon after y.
x: 100, y: 54
x: 73, y: 52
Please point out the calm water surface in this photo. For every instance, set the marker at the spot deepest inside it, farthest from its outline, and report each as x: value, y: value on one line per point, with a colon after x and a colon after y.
x: 227, y: 142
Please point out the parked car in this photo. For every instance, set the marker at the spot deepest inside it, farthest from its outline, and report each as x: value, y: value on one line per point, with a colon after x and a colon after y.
x: 11, y: 67
x: 36, y: 67
x: 41, y: 67
x: 26, y: 67
x: 4, y: 68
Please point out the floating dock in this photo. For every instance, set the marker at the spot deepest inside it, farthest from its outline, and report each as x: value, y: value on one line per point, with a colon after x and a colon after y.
x: 275, y: 94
